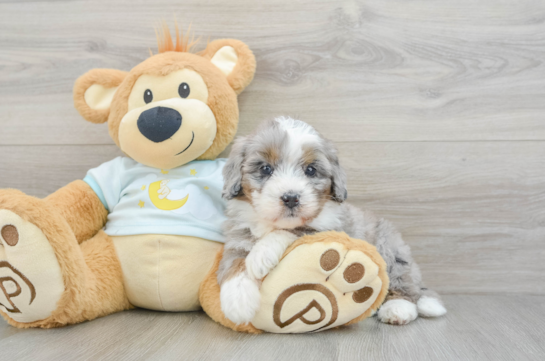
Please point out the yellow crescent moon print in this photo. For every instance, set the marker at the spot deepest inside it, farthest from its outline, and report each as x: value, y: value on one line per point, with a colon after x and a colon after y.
x: 164, y: 204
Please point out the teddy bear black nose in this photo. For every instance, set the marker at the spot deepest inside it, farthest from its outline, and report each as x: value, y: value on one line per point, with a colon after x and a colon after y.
x: 159, y: 124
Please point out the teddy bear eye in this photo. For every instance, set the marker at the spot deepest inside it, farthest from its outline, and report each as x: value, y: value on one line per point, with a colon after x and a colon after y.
x: 184, y: 90
x: 148, y: 96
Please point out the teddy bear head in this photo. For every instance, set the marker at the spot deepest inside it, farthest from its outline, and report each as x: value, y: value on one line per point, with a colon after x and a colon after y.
x: 175, y: 106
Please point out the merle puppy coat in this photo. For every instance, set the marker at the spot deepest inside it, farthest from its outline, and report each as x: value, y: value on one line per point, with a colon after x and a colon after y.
x: 282, y: 182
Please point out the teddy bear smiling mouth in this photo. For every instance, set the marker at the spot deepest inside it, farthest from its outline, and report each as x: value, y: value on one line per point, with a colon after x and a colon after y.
x: 192, y: 139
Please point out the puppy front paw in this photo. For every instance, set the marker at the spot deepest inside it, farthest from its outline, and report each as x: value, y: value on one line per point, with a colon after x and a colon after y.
x: 261, y: 260
x: 397, y: 312
x: 240, y: 299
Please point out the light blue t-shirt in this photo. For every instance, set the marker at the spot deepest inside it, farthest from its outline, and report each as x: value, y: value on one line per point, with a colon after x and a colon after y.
x: 184, y: 201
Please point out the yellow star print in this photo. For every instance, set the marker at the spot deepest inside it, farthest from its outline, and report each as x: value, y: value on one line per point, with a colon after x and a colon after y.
x: 193, y: 172
x: 164, y: 171
x: 141, y: 204
x: 143, y: 187
x: 206, y: 187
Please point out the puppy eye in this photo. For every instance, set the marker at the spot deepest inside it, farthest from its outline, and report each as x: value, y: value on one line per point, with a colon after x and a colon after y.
x: 266, y: 170
x: 310, y: 171
x: 148, y: 96
x: 184, y: 90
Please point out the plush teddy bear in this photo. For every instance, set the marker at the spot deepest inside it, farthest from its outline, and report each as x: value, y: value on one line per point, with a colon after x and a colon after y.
x: 144, y: 230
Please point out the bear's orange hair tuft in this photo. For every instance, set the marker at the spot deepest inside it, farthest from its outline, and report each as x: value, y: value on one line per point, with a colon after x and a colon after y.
x: 165, y: 42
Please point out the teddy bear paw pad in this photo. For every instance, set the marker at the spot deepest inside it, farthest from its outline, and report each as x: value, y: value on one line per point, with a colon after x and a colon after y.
x: 31, y: 282
x: 316, y: 287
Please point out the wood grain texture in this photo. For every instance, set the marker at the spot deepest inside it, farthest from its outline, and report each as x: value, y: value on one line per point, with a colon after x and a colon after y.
x: 476, y: 328
x: 358, y: 70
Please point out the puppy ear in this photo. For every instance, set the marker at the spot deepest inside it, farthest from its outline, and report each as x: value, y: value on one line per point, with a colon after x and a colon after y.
x: 232, y: 172
x: 339, y: 191
x: 94, y: 92
x: 234, y: 59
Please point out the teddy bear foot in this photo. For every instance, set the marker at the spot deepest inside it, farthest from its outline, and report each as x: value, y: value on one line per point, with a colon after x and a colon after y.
x: 327, y: 280
x: 31, y: 281
x: 323, y: 281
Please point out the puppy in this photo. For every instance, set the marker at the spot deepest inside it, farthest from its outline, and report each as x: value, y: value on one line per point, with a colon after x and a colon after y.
x: 282, y: 182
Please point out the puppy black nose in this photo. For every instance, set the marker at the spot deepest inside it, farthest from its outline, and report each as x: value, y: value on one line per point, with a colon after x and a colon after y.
x: 290, y: 200
x: 159, y: 124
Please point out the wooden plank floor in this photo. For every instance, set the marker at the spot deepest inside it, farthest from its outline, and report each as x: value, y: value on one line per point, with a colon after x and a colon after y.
x: 476, y: 328
x: 438, y: 110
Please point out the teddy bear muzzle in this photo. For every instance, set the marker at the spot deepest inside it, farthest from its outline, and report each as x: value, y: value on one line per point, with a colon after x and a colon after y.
x: 168, y: 133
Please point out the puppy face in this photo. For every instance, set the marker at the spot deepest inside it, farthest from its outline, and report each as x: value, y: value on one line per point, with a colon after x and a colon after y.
x: 286, y: 171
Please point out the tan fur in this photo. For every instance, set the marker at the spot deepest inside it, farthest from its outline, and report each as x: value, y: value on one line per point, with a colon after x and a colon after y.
x: 78, y: 204
x: 246, y: 194
x: 396, y: 295
x: 308, y: 155
x: 91, y: 273
x: 243, y: 73
x: 210, y: 289
x: 222, y: 90
x: 271, y: 155
x: 239, y: 266
x: 109, y: 78
x: 221, y: 99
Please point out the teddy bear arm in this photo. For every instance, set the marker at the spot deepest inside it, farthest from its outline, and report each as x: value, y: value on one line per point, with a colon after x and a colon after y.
x: 81, y: 208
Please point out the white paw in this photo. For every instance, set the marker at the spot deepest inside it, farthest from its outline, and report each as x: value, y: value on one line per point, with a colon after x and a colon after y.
x: 430, y: 307
x: 397, y: 312
x: 261, y: 260
x: 240, y: 299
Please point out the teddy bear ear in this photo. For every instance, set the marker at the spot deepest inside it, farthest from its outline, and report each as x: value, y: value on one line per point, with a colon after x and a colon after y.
x: 234, y: 59
x: 94, y: 92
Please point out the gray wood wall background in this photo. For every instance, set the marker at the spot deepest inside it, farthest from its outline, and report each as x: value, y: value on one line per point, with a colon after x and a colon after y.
x: 437, y: 107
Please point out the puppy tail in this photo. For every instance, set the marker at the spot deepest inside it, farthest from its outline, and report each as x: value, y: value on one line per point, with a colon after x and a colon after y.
x: 430, y: 304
